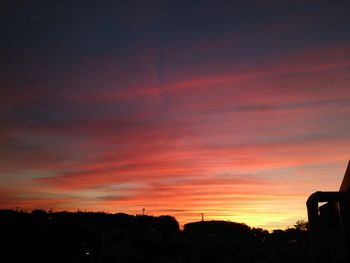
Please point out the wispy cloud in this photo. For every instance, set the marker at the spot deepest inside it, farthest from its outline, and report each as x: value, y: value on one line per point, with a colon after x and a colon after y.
x: 240, y: 122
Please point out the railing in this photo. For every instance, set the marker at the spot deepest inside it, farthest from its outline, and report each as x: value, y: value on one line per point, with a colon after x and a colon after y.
x: 329, y: 227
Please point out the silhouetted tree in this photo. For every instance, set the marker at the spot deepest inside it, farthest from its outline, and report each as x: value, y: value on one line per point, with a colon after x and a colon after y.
x: 301, y: 225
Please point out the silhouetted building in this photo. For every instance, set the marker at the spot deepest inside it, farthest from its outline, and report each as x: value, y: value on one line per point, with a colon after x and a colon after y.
x: 330, y: 224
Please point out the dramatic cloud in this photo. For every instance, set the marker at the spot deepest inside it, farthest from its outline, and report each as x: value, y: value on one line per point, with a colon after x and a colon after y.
x: 237, y: 111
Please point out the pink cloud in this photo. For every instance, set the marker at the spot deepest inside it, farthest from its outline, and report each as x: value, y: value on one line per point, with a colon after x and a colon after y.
x: 216, y: 143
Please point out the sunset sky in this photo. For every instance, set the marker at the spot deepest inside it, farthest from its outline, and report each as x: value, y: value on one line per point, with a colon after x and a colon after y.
x: 235, y: 109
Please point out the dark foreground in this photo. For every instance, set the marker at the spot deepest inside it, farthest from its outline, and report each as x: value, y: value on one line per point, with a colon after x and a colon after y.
x: 103, y: 238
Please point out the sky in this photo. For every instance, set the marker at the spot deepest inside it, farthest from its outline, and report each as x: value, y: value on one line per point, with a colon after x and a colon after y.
x: 235, y: 109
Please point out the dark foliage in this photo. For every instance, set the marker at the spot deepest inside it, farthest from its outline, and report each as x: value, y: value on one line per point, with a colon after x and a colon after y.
x: 40, y: 236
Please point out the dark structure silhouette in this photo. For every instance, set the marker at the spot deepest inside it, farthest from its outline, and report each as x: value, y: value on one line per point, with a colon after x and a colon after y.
x: 86, y: 237
x: 330, y: 224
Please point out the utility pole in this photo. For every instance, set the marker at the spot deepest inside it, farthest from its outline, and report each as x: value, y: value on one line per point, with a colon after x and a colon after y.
x: 202, y: 216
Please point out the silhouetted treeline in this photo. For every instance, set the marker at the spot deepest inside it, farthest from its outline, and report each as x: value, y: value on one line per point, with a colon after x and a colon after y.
x: 40, y: 236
